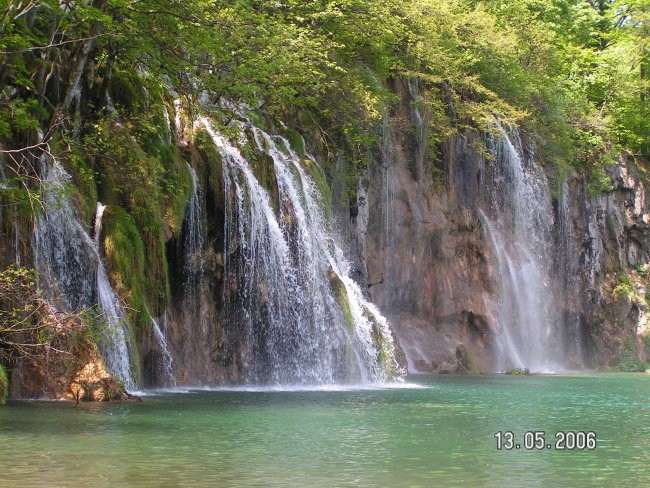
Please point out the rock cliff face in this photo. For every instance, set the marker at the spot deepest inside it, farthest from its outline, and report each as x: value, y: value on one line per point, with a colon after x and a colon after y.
x: 432, y: 238
x: 426, y: 262
x: 430, y: 265
x: 611, y: 249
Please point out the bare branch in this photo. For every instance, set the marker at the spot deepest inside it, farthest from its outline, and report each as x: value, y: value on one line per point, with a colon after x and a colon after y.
x: 57, y: 44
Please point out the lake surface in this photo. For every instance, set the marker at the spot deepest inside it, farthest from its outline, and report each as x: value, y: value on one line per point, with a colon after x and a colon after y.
x: 436, y: 431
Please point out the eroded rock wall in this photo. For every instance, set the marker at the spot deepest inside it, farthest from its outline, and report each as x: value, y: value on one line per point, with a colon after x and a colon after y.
x: 426, y: 262
x: 612, y: 250
x: 429, y: 264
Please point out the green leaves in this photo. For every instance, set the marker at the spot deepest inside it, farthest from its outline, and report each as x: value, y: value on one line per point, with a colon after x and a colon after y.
x: 557, y: 66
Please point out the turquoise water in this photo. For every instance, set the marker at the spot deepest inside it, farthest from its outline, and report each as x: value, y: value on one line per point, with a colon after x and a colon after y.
x: 434, y: 432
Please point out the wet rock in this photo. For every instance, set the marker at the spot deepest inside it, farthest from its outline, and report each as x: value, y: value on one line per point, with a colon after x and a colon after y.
x: 94, y: 383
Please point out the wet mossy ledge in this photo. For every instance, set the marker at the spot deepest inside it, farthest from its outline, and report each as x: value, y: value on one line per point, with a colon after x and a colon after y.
x: 125, y: 258
x: 4, y: 384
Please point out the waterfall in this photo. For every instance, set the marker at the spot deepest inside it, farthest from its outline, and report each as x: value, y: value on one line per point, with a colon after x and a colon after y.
x: 70, y: 271
x: 64, y: 254
x: 420, y: 126
x: 168, y: 126
x: 302, y: 319
x: 517, y: 216
x: 178, y: 121
x: 193, y: 241
x: 167, y: 362
x: 193, y: 346
x: 113, y: 342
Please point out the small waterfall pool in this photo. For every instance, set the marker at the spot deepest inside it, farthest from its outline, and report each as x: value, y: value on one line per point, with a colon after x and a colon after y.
x: 432, y: 431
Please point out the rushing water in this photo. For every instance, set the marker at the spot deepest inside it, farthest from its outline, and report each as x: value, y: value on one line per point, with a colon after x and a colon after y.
x: 169, y: 378
x: 436, y: 433
x: 113, y: 343
x: 70, y: 269
x: 518, y: 218
x: 301, y: 318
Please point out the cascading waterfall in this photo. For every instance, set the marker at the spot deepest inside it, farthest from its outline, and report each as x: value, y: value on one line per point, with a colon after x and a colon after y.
x: 517, y: 215
x: 70, y: 269
x: 194, y: 242
x: 64, y: 254
x: 303, y: 319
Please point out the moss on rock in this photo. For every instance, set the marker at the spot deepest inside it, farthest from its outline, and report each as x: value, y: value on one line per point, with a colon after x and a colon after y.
x: 467, y: 363
x: 320, y: 179
x: 125, y: 257
x: 4, y: 384
x: 125, y: 89
x: 297, y: 142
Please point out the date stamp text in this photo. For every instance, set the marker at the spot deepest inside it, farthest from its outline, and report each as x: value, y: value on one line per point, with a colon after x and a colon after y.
x: 538, y: 440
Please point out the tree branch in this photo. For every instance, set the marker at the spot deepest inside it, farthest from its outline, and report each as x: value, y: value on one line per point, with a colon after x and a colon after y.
x: 57, y: 44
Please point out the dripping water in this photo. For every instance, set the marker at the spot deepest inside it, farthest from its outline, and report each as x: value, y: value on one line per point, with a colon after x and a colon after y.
x: 194, y: 243
x: 567, y: 272
x: 168, y: 126
x: 197, y: 338
x: 113, y: 342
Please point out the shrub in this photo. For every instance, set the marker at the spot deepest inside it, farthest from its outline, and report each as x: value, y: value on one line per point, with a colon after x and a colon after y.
x: 518, y: 372
x: 629, y: 362
x: 625, y: 287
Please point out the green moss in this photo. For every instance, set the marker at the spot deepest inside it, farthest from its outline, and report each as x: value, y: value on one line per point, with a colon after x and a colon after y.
x: 156, y: 271
x: 384, y: 352
x: 4, y: 385
x: 125, y: 89
x: 125, y: 257
x: 629, y: 362
x: 211, y: 158
x: 468, y: 361
x: 152, y: 189
x: 318, y: 175
x: 205, y: 146
x: 177, y: 185
x: 643, y: 272
x: 264, y: 169
x: 625, y: 286
x: 344, y: 300
x: 215, y: 180
x: 78, y: 165
x: 297, y: 142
